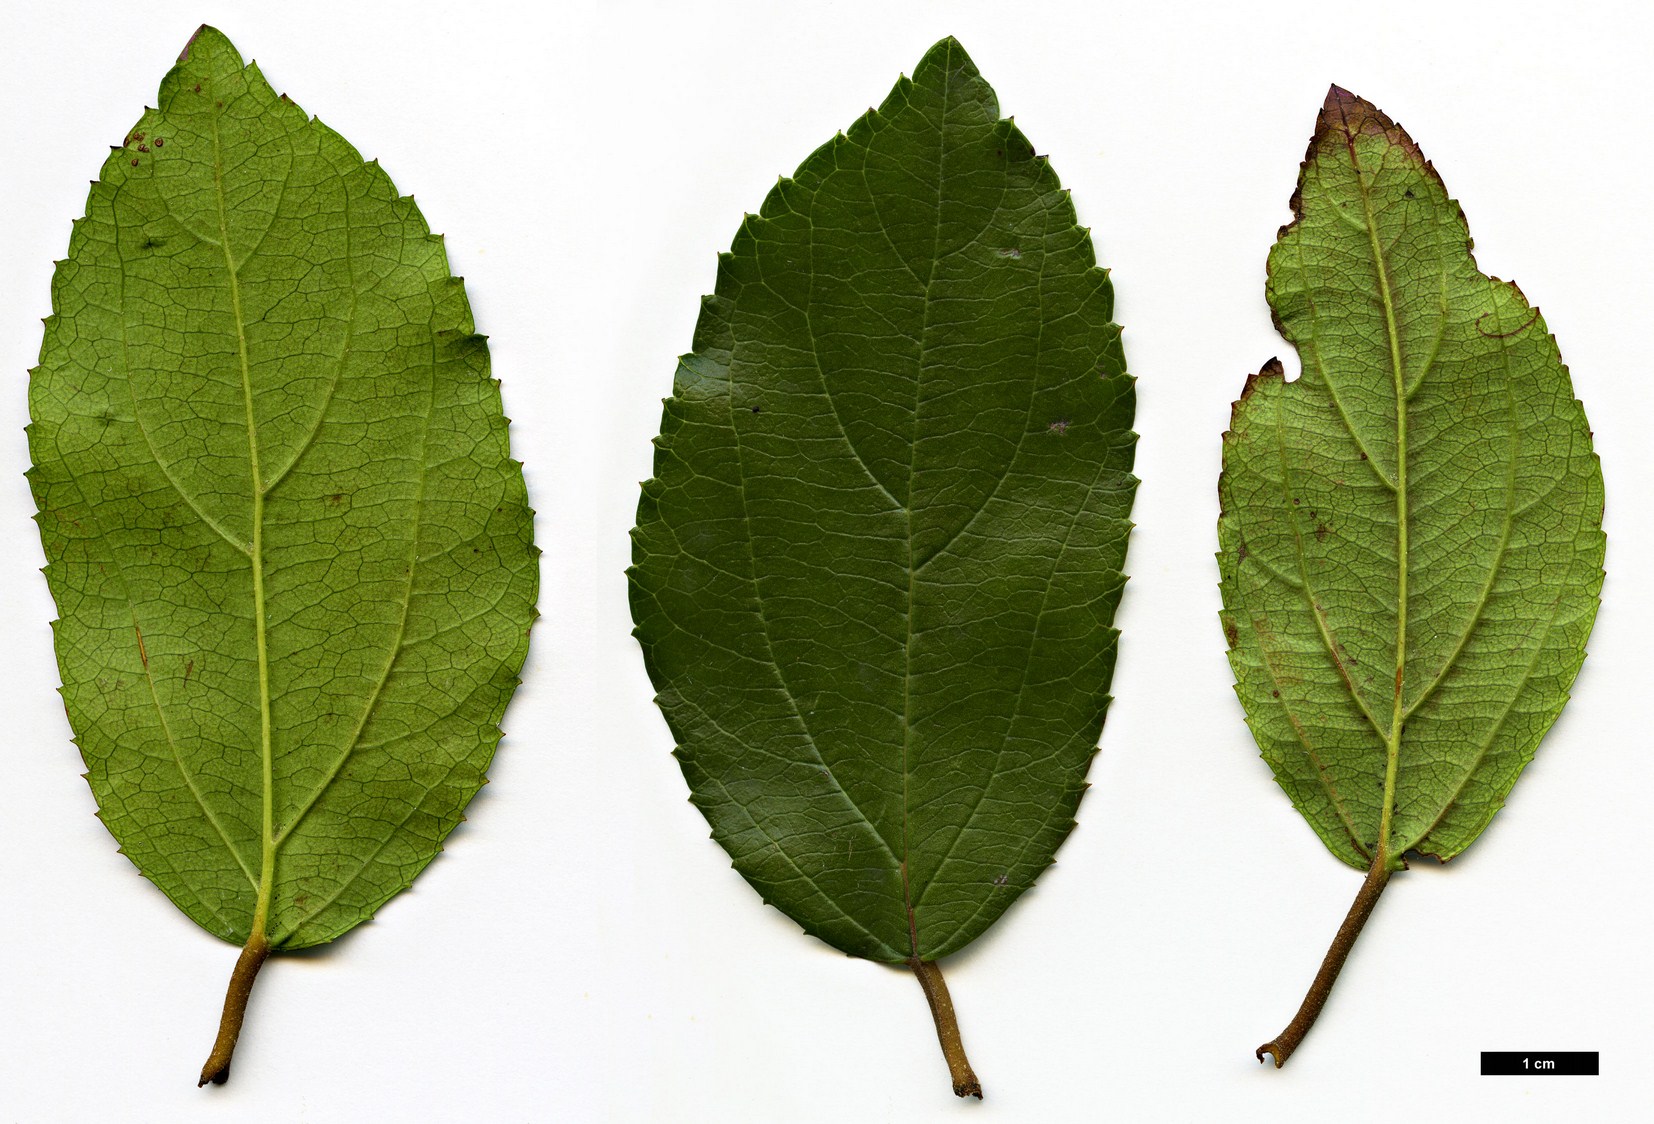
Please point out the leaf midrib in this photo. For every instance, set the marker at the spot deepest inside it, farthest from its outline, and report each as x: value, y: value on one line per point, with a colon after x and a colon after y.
x: 907, y: 508
x: 267, y: 858
x: 1392, y: 743
x: 270, y: 839
x: 1402, y: 710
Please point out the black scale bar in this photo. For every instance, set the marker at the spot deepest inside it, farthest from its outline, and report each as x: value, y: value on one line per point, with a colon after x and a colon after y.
x: 1558, y: 1063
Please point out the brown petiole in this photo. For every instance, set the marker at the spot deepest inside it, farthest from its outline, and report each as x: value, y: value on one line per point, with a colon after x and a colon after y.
x: 1282, y: 1045
x: 253, y: 956
x: 965, y: 1083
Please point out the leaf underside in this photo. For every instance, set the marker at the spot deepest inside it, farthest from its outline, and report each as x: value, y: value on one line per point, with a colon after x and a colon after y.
x: 1411, y: 533
x: 291, y: 555
x: 876, y: 569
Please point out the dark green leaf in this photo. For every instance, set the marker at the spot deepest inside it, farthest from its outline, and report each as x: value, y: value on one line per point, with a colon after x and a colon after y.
x: 877, y: 566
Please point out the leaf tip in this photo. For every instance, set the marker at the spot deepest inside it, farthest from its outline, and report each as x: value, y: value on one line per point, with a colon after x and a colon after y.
x: 207, y: 30
x: 1337, y: 96
x: 1352, y: 115
x: 949, y: 56
x: 1353, y: 112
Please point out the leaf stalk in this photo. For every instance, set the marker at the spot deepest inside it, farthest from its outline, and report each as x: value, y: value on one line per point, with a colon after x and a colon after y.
x: 1282, y: 1045
x: 935, y: 987
x: 253, y: 956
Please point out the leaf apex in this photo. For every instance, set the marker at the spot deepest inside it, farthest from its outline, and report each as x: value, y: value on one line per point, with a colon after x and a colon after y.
x: 948, y: 55
x: 184, y: 55
x: 1354, y: 112
x: 205, y: 35
x: 1353, y: 115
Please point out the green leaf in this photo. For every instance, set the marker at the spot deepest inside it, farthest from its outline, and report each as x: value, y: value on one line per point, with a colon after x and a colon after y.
x: 291, y: 555
x: 876, y: 569
x: 1412, y: 530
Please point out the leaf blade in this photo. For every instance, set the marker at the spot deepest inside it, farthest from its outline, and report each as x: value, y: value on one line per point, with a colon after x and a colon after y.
x: 816, y: 552
x: 1500, y: 459
x: 251, y: 530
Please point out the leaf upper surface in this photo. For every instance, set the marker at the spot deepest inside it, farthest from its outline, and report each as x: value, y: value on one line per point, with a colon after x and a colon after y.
x: 876, y: 570
x: 291, y: 555
x: 1412, y: 530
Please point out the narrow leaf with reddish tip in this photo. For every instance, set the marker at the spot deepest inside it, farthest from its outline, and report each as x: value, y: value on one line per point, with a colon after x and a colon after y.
x: 290, y: 550
x: 878, y: 564
x: 1412, y: 529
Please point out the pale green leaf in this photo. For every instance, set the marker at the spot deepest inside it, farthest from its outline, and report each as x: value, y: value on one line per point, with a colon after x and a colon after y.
x: 291, y: 554
x: 1412, y: 529
x: 878, y: 564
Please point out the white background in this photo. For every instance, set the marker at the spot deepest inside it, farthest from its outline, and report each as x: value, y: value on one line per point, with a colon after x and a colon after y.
x: 583, y: 951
